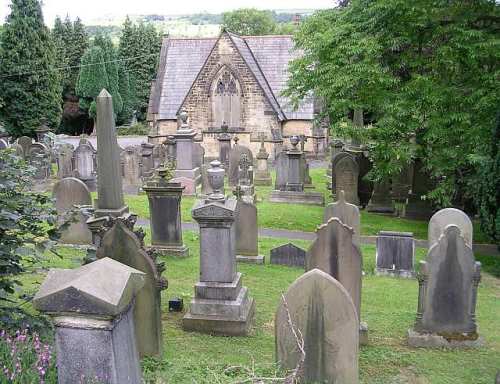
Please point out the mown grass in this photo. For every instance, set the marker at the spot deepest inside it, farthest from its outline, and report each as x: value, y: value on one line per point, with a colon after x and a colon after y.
x: 388, y: 306
x: 304, y: 217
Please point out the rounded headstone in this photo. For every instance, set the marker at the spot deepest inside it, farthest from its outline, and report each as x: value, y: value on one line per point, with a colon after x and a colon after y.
x: 441, y: 219
x: 69, y: 192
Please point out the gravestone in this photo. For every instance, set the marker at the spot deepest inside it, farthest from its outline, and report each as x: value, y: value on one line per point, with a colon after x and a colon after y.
x: 441, y: 219
x: 381, y: 201
x: 3, y: 144
x: 318, y: 315
x: 235, y: 156
x: 345, y: 177
x: 421, y: 183
x: 91, y: 308
x: 245, y: 182
x: 247, y: 236
x: 281, y: 164
x: 206, y: 189
x: 171, y: 150
x: 186, y: 167
x: 147, y: 159
x: 39, y: 158
x: 65, y: 161
x: 71, y: 193
x: 335, y: 253
x: 25, y: 143
x: 288, y: 254
x: 159, y: 155
x: 199, y: 154
x: 395, y: 255
x: 165, y: 211
x: 131, y: 163
x: 262, y: 174
x: 187, y: 183
x: 347, y: 213
x: 221, y: 304
x: 122, y: 245
x: 448, y: 283
x: 85, y: 165
x: 224, y: 139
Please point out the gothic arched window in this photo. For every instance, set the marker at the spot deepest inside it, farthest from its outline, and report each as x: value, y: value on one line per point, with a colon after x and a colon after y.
x: 226, y: 103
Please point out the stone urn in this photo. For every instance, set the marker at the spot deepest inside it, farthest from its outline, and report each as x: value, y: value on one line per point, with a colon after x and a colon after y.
x: 216, y: 180
x: 294, y: 140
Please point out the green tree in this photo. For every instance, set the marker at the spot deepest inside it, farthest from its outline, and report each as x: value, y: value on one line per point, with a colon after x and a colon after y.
x: 76, y: 45
x: 426, y: 71
x: 92, y: 79
x: 249, y: 22
x: 30, y: 83
x: 139, y: 49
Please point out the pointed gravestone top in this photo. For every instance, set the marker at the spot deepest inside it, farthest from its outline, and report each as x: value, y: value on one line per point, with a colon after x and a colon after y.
x: 441, y: 219
x: 104, y: 93
x: 104, y: 287
x: 347, y: 213
x: 323, y: 316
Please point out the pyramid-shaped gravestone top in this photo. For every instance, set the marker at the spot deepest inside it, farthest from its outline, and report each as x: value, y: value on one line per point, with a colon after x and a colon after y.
x: 347, y: 213
x: 103, y: 288
x: 288, y: 254
x: 122, y: 245
x: 448, y: 280
x: 323, y: 315
x: 214, y: 210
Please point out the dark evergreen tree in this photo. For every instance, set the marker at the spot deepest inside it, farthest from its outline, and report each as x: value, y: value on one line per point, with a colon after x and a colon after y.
x: 30, y: 83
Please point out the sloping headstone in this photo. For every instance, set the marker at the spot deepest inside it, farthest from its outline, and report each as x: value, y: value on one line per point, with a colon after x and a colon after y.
x: 71, y: 193
x: 448, y: 282
x: 347, y: 213
x: 122, y: 245
x: 334, y: 252
x: 441, y: 219
x: 317, y: 315
x: 247, y: 237
x: 288, y: 254
x: 345, y: 177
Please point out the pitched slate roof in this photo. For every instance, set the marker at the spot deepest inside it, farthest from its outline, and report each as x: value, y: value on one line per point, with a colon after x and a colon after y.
x: 266, y: 56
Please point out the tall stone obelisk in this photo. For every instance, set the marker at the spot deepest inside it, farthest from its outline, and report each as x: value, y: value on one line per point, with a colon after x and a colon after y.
x: 109, y: 183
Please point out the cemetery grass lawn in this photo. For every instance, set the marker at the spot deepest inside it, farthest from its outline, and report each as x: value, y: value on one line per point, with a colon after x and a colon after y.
x: 305, y: 218
x: 388, y: 306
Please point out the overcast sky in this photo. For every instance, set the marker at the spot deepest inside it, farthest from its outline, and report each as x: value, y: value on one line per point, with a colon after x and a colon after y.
x: 93, y: 9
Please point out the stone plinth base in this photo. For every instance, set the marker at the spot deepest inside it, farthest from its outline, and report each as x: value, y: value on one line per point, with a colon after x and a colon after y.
x: 220, y: 309
x: 363, y: 333
x: 311, y: 198
x: 111, y: 212
x: 262, y: 181
x: 179, y: 251
x: 384, y: 209
x: 395, y: 273
x: 432, y: 340
x: 259, y: 259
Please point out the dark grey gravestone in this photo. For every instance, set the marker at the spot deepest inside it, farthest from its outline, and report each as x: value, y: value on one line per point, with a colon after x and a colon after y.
x: 448, y: 282
x: 395, y: 254
x: 381, y: 201
x: 39, y: 158
x: 234, y: 162
x: 345, y: 177
x: 281, y: 171
x: 147, y: 159
x: 247, y: 237
x: 25, y: 142
x: 288, y: 254
x: 131, y: 163
x: 92, y: 307
x: 497, y: 380
x: 109, y: 188
x: 122, y: 245
x: 323, y: 315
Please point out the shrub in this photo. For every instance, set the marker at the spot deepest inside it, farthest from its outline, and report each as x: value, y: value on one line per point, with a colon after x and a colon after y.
x: 138, y: 129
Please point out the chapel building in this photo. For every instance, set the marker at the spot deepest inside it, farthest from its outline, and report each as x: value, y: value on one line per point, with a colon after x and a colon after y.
x: 235, y: 81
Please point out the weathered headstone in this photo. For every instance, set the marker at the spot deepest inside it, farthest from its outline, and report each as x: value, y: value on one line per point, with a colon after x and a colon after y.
x: 247, y: 236
x: 288, y: 254
x: 221, y: 304
x: 206, y: 189
x: 345, y: 177
x: 65, y: 161
x: 85, y: 166
x: 186, y: 167
x: 347, y: 213
x: 262, y: 175
x: 39, y: 158
x: 165, y: 211
x: 224, y: 139
x: 122, y: 245
x: 235, y: 156
x: 159, y: 155
x: 71, y: 193
x: 395, y: 254
x: 335, y: 253
x: 131, y: 163
x: 91, y: 308
x: 25, y: 142
x: 199, y: 154
x: 317, y: 315
x: 381, y: 201
x: 448, y: 282
x: 441, y: 219
x: 147, y: 160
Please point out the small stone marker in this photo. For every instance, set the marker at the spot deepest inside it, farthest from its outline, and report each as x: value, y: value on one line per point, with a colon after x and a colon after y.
x: 345, y: 177
x: 347, y: 213
x: 72, y: 193
x: 288, y: 254
x: 91, y: 308
x: 247, y: 236
x: 318, y: 315
x: 448, y: 282
x: 441, y: 219
x: 131, y: 162
x: 395, y: 254
x: 122, y: 245
x: 334, y: 252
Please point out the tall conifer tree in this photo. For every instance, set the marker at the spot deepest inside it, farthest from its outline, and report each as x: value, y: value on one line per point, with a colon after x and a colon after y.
x: 31, y: 85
